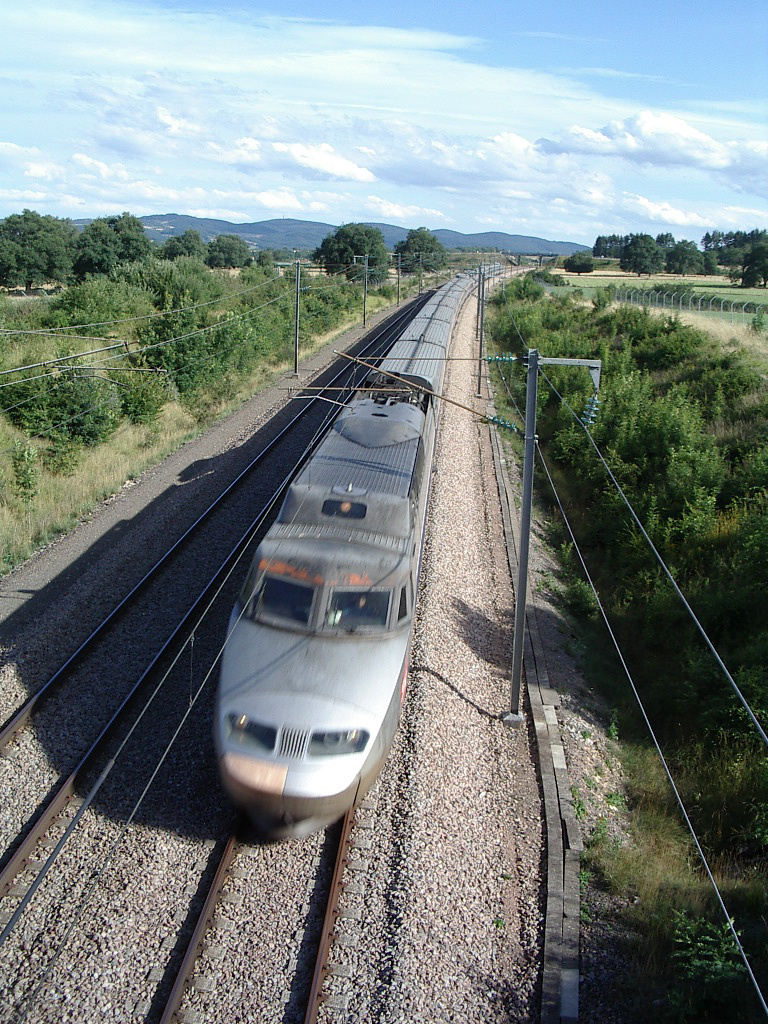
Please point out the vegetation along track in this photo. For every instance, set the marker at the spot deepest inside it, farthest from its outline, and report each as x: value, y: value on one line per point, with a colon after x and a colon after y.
x: 46, y: 922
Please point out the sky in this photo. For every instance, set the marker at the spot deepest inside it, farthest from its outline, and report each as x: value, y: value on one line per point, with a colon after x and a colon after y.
x: 562, y: 120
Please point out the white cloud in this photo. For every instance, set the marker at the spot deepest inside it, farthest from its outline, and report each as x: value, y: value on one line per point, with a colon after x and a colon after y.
x: 44, y: 171
x: 647, y: 137
x: 324, y: 160
x: 401, y: 212
x: 665, y: 213
x: 176, y: 125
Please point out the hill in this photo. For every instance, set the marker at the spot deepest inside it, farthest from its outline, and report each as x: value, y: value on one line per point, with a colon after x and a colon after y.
x: 286, y: 233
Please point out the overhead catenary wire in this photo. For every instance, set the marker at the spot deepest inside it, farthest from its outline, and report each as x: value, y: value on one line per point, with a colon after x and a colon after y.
x: 667, y: 770
x: 55, y: 331
x: 235, y: 556
x: 123, y: 353
x: 665, y: 569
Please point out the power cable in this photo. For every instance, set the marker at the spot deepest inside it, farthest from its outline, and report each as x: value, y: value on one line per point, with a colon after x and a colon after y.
x: 667, y: 572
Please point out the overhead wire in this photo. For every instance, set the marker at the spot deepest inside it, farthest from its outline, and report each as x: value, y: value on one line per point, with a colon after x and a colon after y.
x: 106, y: 858
x: 657, y: 745
x: 123, y: 354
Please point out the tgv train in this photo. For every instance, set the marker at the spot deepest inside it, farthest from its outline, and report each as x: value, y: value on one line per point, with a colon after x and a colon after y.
x: 315, y: 664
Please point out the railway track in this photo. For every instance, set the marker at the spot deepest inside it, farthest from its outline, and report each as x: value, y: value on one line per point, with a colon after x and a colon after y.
x: 309, y: 997
x: 441, y: 918
x: 372, y: 349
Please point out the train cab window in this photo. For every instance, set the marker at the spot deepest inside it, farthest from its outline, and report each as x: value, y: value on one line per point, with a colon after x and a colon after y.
x: 283, y: 599
x: 402, y: 611
x: 358, y: 609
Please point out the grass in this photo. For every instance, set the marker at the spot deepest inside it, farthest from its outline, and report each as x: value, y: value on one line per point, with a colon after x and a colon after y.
x: 60, y: 502
x: 713, y: 284
x: 731, y: 331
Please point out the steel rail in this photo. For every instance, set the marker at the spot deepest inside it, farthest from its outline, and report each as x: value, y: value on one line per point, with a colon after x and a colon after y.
x: 197, y: 938
x: 329, y: 921
x: 171, y: 1011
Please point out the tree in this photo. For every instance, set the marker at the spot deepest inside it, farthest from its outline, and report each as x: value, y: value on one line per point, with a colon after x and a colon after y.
x: 609, y: 246
x: 756, y: 266
x: 109, y: 241
x: 344, y: 250
x: 228, y: 251
x: 642, y: 256
x: 579, y: 263
x: 188, y: 244
x: 665, y: 240
x: 710, y: 262
x: 420, y: 250
x: 684, y: 258
x: 35, y: 249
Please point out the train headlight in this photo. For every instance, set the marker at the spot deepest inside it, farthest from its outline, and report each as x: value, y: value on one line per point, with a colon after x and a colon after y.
x: 242, y: 729
x: 340, y: 741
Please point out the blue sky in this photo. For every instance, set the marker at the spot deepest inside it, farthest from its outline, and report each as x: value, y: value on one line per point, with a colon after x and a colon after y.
x: 562, y: 120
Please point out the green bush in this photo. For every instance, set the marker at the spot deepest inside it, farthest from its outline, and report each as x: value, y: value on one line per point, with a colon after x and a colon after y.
x: 711, y: 972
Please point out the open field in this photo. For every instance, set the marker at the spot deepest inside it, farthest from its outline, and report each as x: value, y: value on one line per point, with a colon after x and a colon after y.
x: 732, y: 328
x: 700, y: 284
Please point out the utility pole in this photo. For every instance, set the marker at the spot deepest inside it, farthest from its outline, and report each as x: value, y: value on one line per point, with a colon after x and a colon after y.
x: 481, y: 325
x: 365, y: 291
x: 513, y: 717
x: 365, y: 285
x: 296, y: 318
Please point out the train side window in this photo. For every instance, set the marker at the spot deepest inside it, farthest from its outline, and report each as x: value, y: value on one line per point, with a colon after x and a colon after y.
x: 402, y: 612
x: 418, y: 471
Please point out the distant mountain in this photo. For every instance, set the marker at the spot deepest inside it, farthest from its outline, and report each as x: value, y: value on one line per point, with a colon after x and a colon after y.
x: 286, y: 233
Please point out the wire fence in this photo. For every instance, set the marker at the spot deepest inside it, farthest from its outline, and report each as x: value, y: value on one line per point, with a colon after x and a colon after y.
x: 734, y: 311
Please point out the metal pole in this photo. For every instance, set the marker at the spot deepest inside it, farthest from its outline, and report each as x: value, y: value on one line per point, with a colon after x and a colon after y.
x: 479, y: 289
x: 421, y: 264
x: 296, y: 339
x: 399, y: 257
x: 365, y: 292
x: 481, y: 302
x: 513, y: 716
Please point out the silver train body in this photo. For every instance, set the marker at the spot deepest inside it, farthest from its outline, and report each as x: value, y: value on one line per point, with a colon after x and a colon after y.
x: 315, y: 665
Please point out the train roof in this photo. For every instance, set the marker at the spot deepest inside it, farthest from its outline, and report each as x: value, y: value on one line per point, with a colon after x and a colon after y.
x: 417, y: 360
x: 365, y: 461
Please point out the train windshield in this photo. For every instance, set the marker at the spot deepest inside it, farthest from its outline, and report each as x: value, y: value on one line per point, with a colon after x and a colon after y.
x: 358, y: 609
x: 276, y: 597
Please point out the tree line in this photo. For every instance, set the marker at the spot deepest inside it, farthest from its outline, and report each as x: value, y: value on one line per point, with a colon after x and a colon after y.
x: 36, y: 249
x: 742, y: 255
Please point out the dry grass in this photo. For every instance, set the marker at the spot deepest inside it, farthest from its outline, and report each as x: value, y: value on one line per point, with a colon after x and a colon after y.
x: 61, y: 501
